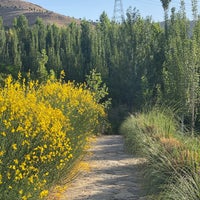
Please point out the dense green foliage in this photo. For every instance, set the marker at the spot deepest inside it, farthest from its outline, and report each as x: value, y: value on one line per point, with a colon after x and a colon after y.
x: 141, y: 62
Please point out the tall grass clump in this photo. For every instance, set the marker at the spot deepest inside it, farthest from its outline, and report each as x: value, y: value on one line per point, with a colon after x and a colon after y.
x: 138, y: 129
x: 43, y: 130
x: 133, y: 135
x: 185, y: 183
x: 172, y: 158
x: 185, y: 187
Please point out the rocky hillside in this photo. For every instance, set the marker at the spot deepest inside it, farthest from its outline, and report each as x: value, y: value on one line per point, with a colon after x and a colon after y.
x: 9, y: 9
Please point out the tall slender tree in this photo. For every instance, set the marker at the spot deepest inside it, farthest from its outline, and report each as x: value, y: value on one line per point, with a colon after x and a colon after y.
x: 2, y: 39
x: 175, y: 71
x: 42, y: 60
x: 194, y: 67
x: 165, y: 5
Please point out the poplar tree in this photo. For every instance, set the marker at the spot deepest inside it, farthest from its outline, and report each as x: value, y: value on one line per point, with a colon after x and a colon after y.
x: 42, y: 33
x: 176, y: 70
x: 86, y: 48
x: 165, y: 5
x: 2, y: 39
x: 194, y: 68
x: 42, y: 60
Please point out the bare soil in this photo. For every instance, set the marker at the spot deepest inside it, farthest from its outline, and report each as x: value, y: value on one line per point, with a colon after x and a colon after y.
x: 114, y: 174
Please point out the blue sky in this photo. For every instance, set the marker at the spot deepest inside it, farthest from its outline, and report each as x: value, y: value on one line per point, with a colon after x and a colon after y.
x: 92, y: 9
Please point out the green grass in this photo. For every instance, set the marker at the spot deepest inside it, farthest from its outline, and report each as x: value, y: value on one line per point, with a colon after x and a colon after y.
x: 172, y: 168
x: 184, y: 187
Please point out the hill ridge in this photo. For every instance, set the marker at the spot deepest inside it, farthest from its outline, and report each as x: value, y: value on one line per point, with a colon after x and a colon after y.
x: 9, y: 9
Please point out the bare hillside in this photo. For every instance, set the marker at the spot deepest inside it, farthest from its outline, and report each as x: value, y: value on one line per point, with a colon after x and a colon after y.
x: 9, y: 9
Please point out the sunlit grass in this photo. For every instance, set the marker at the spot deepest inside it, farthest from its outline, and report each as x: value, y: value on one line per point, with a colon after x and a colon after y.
x: 173, y: 159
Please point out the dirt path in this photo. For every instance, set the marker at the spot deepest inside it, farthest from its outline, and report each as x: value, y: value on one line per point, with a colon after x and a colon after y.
x: 114, y: 175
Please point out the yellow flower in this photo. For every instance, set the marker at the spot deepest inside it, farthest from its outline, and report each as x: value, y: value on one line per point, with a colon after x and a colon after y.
x: 3, y: 133
x: 14, y: 146
x: 18, y: 175
x: 21, y: 192
x: 23, y: 166
x: 1, y: 153
x: 12, y: 167
x: 30, y: 179
x: 25, y: 142
x: 46, y: 174
x: 70, y: 156
x: 16, y: 161
x: 28, y: 157
x: 44, y: 193
x: 1, y: 179
x: 24, y: 198
x: 8, y: 175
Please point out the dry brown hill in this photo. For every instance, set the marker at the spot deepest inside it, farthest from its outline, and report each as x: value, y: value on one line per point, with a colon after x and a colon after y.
x: 9, y: 9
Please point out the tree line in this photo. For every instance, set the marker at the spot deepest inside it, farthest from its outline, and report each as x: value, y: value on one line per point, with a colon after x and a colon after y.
x: 142, y: 62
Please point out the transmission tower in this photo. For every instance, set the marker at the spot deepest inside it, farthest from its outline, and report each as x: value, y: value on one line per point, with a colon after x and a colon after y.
x: 118, y: 15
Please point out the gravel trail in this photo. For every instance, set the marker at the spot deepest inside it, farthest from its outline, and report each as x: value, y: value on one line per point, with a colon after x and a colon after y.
x: 114, y: 174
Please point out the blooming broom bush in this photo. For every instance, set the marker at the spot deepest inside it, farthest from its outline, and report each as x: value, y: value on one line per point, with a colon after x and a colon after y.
x: 43, y: 129
x: 79, y: 106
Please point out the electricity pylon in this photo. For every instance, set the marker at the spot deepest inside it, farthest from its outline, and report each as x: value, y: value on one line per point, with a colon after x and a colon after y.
x: 118, y: 15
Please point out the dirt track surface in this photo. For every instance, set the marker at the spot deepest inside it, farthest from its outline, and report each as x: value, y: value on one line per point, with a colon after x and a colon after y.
x: 114, y: 175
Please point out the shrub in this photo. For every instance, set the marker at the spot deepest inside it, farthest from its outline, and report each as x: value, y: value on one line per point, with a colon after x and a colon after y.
x: 43, y: 130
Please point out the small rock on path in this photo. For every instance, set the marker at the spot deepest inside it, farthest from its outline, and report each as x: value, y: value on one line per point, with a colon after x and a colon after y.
x: 114, y: 175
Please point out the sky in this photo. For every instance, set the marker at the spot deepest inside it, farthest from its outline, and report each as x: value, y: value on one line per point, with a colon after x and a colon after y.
x: 92, y: 9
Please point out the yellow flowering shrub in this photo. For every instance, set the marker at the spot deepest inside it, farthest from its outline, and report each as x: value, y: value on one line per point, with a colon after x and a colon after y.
x: 79, y: 105
x: 43, y: 129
